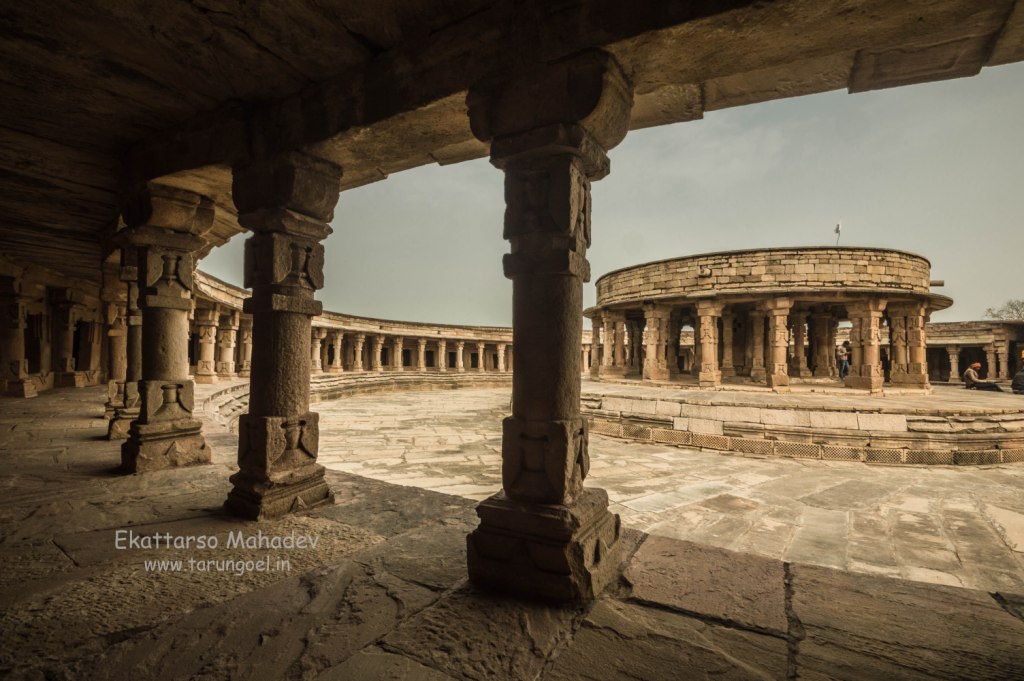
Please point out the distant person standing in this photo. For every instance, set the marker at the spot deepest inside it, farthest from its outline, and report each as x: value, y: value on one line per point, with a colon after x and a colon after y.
x: 1018, y: 383
x: 971, y: 381
x: 843, y: 357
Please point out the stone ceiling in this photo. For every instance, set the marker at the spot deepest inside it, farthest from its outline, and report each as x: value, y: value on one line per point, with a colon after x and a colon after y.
x: 98, y: 95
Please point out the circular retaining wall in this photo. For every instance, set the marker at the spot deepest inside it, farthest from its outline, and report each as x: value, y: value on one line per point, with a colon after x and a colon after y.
x: 830, y: 431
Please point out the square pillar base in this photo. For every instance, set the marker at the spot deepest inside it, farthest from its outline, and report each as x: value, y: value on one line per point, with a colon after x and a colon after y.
x: 263, y: 500
x: 612, y: 371
x: 728, y: 372
x: 872, y: 383
x: 72, y: 379
x: 155, y: 446
x: 19, y: 388
x: 656, y: 374
x: 758, y: 374
x: 205, y: 379
x: 121, y: 422
x: 548, y: 552
x: 778, y: 382
x: 709, y: 379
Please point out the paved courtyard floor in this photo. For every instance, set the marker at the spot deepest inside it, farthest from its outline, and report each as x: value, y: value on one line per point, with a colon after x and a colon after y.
x: 384, y: 594
x: 961, y: 526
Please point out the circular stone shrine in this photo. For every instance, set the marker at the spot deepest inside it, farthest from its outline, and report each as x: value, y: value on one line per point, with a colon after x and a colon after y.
x: 770, y: 316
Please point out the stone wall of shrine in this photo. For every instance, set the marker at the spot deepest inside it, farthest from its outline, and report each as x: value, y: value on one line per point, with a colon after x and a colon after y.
x: 766, y: 316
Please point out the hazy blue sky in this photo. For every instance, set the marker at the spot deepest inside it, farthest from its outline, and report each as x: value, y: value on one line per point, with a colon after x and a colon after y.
x: 937, y: 169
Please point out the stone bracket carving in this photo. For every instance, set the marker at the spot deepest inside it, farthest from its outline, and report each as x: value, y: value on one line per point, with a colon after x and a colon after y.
x: 544, y: 461
x: 284, y: 261
x: 276, y: 448
x: 165, y: 400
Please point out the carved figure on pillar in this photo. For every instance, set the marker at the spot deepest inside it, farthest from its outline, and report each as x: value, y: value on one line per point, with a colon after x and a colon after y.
x: 545, y: 534
x: 167, y: 226
x: 288, y: 202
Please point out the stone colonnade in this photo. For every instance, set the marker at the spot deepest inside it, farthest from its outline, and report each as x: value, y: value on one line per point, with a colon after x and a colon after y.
x: 770, y: 341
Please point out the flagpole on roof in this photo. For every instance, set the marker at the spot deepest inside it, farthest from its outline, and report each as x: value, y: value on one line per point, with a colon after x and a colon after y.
x: 839, y: 230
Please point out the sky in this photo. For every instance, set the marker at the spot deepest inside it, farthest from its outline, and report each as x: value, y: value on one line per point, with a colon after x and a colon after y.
x: 936, y: 169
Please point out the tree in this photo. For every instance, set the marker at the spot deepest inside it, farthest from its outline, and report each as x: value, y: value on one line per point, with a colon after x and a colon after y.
x: 1013, y: 309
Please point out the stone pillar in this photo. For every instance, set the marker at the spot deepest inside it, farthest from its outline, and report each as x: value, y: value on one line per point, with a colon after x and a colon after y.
x: 865, y: 338
x: 117, y: 356
x: 481, y: 364
x: 607, y: 340
x: 655, y: 358
x: 12, y: 344
x: 728, y: 356
x: 442, y: 355
x: 167, y: 226
x: 585, y: 359
x: 376, y: 352
x: 421, y: 354
x: 674, y: 328
x: 357, y: 352
x: 501, y: 357
x: 67, y: 305
x: 121, y: 421
x: 990, y: 362
x: 545, y: 535
x: 909, y: 345
x: 227, y: 334
x: 337, y: 362
x: 708, y: 313
x: 1003, y: 353
x: 244, y: 347
x: 619, y: 361
x: 596, y: 338
x: 287, y: 202
x: 824, y: 347
x: 954, y: 363
x: 777, y: 371
x: 757, y: 368
x: 460, y: 348
x: 396, y: 353
x: 206, y: 323
x: 316, y: 338
x: 799, y: 323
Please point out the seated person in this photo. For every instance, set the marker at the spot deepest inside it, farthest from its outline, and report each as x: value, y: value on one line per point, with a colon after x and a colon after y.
x: 1018, y: 383
x: 971, y: 381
